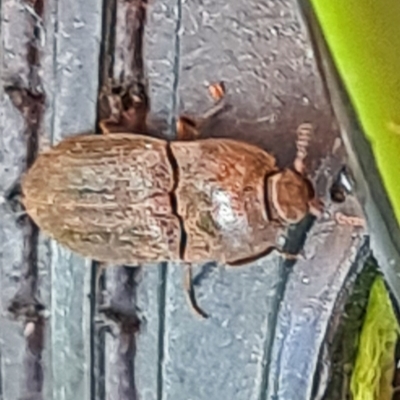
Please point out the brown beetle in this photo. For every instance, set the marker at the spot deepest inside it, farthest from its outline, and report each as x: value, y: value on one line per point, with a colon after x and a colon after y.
x: 123, y: 198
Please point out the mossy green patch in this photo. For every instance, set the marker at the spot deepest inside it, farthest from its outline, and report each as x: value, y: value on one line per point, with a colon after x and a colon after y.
x: 345, y: 342
x: 375, y: 363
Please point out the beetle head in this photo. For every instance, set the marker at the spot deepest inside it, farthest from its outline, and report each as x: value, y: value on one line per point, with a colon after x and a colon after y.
x: 291, y: 196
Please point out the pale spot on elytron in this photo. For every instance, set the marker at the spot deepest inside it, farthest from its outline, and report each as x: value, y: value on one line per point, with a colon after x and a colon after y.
x: 227, y: 214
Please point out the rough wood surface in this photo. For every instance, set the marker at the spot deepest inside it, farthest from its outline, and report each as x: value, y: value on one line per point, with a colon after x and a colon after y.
x: 311, y: 303
x: 46, y: 65
x: 57, y: 56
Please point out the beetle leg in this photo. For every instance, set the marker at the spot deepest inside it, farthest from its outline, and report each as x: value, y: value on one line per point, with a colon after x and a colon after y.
x: 213, y: 111
x: 189, y: 291
x: 217, y: 90
x: 284, y: 254
x: 290, y: 256
x: 123, y: 109
x: 188, y: 128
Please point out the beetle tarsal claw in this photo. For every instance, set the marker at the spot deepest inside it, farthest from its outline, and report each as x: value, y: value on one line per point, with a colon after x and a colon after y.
x: 190, y: 295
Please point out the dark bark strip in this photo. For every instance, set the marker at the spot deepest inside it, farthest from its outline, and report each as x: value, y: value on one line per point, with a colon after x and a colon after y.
x: 107, y: 42
x: 135, y: 22
x: 121, y: 72
x: 97, y: 332
x: 97, y: 339
x: 30, y: 102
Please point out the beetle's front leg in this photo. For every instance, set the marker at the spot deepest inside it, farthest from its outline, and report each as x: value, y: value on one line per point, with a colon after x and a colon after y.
x: 189, y: 128
x: 189, y: 291
x: 290, y: 256
x: 123, y: 109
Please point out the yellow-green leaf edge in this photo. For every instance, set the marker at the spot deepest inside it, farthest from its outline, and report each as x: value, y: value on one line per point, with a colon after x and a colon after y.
x: 364, y: 40
x: 375, y: 362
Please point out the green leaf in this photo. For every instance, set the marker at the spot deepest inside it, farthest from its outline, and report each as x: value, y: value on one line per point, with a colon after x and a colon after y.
x: 364, y: 40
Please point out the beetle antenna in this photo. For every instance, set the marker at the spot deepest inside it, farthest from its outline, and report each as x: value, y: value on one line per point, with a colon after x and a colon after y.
x: 304, y: 133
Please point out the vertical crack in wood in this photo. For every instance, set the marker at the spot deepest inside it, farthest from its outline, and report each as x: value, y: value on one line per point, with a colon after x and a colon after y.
x: 107, y: 47
x: 25, y: 304
x: 1, y: 365
x: 55, y: 68
x: 176, y: 69
x: 121, y: 311
x: 163, y: 269
x: 97, y: 340
x: 295, y: 241
x: 268, y: 345
x: 162, y: 294
x: 98, y: 285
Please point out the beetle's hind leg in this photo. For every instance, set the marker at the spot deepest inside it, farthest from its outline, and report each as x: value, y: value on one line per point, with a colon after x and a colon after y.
x: 189, y: 128
x: 123, y: 109
x: 189, y: 291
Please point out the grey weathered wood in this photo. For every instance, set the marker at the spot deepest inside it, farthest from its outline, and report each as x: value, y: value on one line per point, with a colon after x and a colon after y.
x: 263, y: 55
x: 12, y: 341
x: 312, y: 292
x: 259, y: 52
x: 65, y: 66
x: 17, y: 275
x: 159, y: 58
x: 223, y: 355
x: 159, y: 66
x: 71, y: 54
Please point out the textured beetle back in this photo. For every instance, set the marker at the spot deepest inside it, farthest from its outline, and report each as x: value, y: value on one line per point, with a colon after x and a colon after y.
x: 106, y: 197
x: 127, y: 199
x: 220, y: 198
